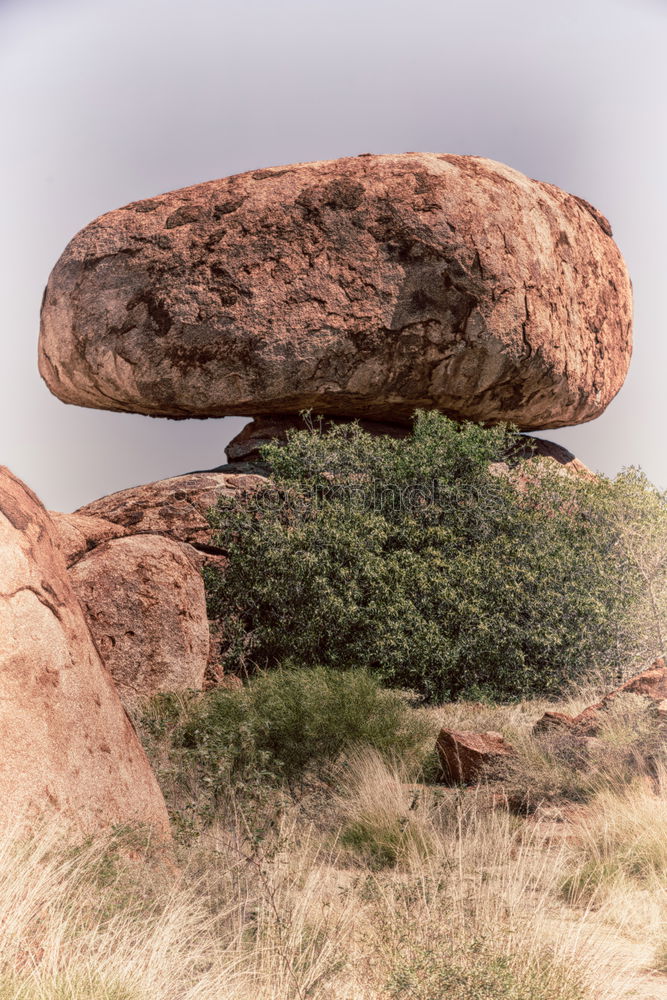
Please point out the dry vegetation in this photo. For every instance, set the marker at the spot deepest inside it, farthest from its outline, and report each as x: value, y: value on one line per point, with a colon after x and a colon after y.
x: 364, y: 885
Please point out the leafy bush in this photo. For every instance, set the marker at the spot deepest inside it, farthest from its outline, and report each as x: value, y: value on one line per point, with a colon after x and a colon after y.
x: 282, y: 726
x: 436, y: 567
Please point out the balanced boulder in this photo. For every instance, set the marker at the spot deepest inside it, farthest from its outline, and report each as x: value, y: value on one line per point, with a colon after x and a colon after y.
x: 369, y: 286
x: 144, y: 601
x: 66, y: 745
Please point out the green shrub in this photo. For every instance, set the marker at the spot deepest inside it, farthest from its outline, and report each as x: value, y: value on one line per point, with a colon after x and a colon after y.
x: 426, y: 562
x: 480, y: 973
x: 282, y: 726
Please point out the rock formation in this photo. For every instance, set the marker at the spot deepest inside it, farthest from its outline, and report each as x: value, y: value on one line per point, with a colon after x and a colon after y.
x: 367, y: 287
x: 650, y: 684
x: 67, y: 745
x: 77, y: 534
x: 135, y: 560
x: 174, y: 507
x: 143, y: 597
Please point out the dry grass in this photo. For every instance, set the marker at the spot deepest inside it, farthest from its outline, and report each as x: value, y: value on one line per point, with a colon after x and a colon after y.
x: 468, y: 909
x: 379, y: 889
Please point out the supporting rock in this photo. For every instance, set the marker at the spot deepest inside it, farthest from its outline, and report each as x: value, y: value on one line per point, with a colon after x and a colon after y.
x: 67, y: 747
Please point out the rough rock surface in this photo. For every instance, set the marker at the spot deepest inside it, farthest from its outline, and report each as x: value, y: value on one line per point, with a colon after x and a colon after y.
x: 367, y: 286
x: 78, y: 534
x: 553, y: 721
x: 67, y: 746
x: 651, y: 683
x: 144, y: 600
x: 468, y: 757
x: 174, y: 507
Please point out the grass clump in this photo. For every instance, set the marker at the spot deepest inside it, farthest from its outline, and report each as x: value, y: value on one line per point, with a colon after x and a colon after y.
x: 622, y: 841
x: 385, y: 819
x: 478, y: 972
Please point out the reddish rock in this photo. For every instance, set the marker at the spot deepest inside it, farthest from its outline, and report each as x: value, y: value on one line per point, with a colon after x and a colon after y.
x: 144, y: 601
x: 651, y: 683
x: 173, y: 507
x: 77, y: 534
x: 368, y: 286
x: 67, y: 746
x: 468, y: 757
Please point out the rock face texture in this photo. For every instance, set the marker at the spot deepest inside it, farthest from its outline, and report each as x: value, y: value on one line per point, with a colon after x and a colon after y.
x: 368, y: 286
x: 67, y: 746
x: 468, y: 757
x: 78, y: 534
x: 143, y: 597
x: 174, y: 507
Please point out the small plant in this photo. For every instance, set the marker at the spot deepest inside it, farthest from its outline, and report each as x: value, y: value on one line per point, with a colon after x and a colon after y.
x: 280, y: 728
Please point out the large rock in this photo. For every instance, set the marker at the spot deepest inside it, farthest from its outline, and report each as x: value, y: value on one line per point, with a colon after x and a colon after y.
x: 367, y: 286
x: 174, y: 507
x: 66, y: 744
x: 466, y: 758
x: 144, y: 600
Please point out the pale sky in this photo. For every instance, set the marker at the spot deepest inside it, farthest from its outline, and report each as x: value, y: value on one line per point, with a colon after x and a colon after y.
x: 103, y: 102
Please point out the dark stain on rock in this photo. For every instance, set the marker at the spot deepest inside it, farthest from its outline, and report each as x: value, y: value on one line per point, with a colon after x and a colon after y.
x: 184, y: 215
x: 157, y: 312
x: 149, y: 205
x: 227, y: 207
x: 226, y: 287
x: 343, y: 193
x: 13, y: 511
x: 262, y: 175
x: 338, y: 194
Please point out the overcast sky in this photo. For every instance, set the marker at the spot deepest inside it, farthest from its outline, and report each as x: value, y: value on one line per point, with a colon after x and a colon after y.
x: 103, y: 102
